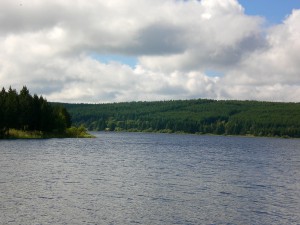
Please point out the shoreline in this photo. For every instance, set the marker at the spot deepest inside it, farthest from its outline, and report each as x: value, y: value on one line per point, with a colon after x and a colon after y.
x: 198, y: 134
x: 72, y: 132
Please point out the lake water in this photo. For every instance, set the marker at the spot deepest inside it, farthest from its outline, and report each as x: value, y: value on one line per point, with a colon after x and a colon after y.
x: 139, y: 178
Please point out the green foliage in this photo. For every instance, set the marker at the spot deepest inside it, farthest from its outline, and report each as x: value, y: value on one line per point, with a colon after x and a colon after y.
x: 77, y: 132
x: 25, y: 112
x: 20, y: 134
x: 199, y: 116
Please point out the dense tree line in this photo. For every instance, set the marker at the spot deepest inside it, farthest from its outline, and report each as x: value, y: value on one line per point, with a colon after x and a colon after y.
x: 22, y: 111
x: 192, y: 116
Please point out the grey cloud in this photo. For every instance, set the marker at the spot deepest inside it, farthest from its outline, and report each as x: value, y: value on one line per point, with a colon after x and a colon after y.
x: 160, y: 39
x: 25, y: 17
x: 231, y: 56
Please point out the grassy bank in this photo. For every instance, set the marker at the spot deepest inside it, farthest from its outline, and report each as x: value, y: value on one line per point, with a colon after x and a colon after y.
x: 72, y: 132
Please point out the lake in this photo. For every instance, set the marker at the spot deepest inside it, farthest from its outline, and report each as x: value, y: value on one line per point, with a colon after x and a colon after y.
x: 141, y: 178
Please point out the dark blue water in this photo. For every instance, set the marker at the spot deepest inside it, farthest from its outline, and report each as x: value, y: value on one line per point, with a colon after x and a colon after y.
x: 138, y: 178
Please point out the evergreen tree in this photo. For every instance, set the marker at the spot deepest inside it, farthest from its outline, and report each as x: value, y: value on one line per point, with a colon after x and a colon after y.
x: 2, y: 113
x: 11, y: 109
x: 26, y: 109
x: 36, y: 113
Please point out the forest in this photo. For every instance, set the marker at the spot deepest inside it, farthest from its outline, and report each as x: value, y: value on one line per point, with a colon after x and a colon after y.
x: 198, y: 116
x: 24, y: 112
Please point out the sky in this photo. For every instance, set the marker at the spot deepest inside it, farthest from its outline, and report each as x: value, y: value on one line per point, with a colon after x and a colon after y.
x: 101, y: 51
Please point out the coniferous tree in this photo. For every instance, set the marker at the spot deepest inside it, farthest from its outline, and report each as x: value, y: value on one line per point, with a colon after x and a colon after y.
x: 12, y: 109
x: 26, y: 109
x: 47, y: 118
x: 2, y: 112
x: 36, y: 114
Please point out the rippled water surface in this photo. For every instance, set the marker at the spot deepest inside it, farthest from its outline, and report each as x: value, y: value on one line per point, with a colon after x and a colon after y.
x: 138, y: 178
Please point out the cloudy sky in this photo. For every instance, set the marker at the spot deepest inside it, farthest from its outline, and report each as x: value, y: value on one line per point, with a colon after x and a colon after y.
x: 144, y: 50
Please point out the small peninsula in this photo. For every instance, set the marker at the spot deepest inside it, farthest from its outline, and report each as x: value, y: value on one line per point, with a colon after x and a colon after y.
x: 23, y: 116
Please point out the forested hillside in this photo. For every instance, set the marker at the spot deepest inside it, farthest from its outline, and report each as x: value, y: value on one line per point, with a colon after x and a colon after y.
x: 192, y: 116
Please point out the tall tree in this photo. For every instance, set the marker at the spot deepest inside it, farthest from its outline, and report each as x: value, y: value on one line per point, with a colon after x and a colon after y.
x: 2, y: 113
x: 26, y: 109
x: 12, y: 109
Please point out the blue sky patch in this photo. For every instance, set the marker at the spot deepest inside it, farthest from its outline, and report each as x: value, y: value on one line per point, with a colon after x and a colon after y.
x: 274, y: 11
x: 213, y: 73
x: 129, y: 60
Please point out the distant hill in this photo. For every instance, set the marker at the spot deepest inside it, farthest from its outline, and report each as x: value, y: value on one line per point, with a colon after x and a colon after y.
x: 200, y: 116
